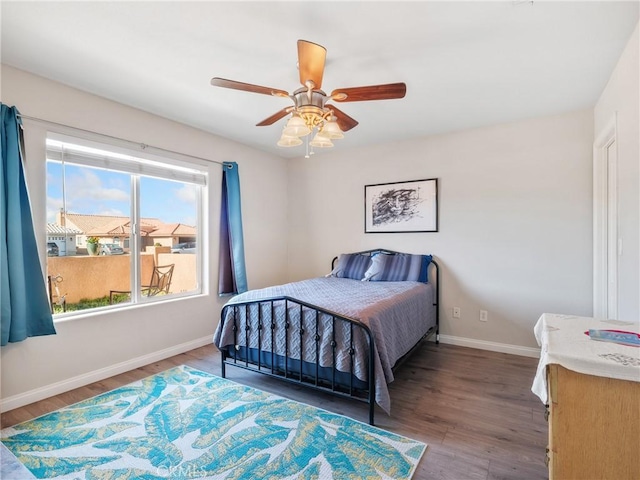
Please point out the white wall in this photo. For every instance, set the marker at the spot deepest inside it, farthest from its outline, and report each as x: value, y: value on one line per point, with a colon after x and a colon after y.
x: 515, y: 219
x: 99, y: 344
x: 621, y: 97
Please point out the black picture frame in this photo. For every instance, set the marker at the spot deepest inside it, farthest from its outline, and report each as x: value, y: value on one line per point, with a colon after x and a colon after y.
x: 401, y: 207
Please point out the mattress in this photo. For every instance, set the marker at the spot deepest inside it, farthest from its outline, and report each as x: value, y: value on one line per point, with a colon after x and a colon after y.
x: 398, y: 314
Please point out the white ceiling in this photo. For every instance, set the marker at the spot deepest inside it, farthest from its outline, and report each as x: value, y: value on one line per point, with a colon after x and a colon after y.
x: 466, y: 64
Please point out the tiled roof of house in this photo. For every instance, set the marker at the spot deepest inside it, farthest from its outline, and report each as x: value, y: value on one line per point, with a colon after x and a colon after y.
x: 169, y: 229
x: 183, y: 229
x: 117, y: 228
x: 111, y: 225
x: 55, y: 229
x: 92, y: 223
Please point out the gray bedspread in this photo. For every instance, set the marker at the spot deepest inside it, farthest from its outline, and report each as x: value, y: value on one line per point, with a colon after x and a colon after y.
x: 397, y: 313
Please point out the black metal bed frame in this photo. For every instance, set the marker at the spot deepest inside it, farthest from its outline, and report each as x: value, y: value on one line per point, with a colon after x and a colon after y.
x: 240, y: 358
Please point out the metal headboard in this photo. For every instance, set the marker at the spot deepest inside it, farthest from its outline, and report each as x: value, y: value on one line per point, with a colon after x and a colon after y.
x: 393, y: 252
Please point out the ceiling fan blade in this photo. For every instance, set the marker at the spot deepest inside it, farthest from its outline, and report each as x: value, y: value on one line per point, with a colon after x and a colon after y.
x: 311, y: 59
x: 373, y: 92
x: 246, y: 87
x: 275, y: 117
x: 345, y: 122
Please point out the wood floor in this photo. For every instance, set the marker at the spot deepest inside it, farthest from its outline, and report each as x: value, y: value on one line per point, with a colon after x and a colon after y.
x: 473, y: 408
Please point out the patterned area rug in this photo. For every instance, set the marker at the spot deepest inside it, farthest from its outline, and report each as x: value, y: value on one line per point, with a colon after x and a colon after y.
x: 184, y: 423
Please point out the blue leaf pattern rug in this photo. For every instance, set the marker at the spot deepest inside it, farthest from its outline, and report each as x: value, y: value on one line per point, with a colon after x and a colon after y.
x: 184, y: 423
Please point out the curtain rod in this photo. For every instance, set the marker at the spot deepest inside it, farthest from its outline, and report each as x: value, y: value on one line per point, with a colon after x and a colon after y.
x: 142, y: 146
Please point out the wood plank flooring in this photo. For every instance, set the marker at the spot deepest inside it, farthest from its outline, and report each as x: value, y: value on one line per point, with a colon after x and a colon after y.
x: 473, y: 408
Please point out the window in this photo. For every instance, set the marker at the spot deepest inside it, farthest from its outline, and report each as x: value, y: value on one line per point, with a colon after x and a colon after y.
x: 127, y: 213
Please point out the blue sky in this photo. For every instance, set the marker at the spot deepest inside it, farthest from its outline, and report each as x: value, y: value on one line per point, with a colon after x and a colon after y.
x: 103, y: 192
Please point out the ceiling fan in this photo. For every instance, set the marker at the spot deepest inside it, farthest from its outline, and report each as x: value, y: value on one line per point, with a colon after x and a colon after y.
x: 310, y: 109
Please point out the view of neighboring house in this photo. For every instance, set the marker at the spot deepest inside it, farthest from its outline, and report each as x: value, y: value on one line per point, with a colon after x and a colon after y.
x: 117, y: 230
x: 64, y: 237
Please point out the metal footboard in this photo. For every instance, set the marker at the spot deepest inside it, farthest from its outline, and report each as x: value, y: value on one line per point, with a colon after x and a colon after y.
x: 255, y: 316
x: 293, y: 366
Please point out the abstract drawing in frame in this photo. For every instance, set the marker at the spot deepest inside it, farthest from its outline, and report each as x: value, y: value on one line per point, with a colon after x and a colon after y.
x: 401, y: 207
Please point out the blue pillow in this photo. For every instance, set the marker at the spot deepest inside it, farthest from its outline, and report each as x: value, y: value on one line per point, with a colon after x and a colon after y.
x: 351, y: 265
x: 398, y: 268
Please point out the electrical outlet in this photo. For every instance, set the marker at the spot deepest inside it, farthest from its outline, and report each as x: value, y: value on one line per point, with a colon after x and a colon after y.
x: 456, y: 312
x: 484, y: 315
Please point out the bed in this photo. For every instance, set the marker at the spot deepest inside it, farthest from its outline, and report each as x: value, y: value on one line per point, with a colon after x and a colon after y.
x: 338, y: 333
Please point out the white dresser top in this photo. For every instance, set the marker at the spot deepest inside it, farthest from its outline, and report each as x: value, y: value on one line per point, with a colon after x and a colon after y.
x: 563, y: 341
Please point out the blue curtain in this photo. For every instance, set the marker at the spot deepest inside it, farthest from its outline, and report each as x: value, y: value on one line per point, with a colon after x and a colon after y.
x: 24, y: 305
x: 232, y: 275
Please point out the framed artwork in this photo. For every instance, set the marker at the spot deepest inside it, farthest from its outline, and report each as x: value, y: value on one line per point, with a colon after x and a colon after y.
x: 401, y: 207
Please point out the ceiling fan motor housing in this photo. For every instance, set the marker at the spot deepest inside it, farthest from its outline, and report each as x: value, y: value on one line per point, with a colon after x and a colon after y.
x: 310, y: 104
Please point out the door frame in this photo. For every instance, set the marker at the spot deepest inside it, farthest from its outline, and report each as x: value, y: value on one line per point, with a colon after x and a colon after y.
x: 605, y: 220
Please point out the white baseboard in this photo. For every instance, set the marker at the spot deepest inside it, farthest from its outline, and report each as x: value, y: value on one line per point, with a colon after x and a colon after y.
x: 492, y: 346
x: 47, y: 391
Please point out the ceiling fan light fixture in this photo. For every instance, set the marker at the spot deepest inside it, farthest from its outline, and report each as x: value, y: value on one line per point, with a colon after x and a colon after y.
x: 331, y: 129
x: 323, y: 134
x: 296, y: 127
x: 320, y: 142
x: 289, y: 141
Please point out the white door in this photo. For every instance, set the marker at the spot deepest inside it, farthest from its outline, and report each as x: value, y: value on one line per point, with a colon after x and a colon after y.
x: 612, y: 231
x: 605, y: 224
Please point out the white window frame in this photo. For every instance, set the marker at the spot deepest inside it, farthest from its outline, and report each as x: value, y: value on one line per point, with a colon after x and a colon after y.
x: 138, y: 164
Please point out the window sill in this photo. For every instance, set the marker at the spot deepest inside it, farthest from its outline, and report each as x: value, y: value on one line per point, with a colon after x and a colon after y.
x: 101, y: 311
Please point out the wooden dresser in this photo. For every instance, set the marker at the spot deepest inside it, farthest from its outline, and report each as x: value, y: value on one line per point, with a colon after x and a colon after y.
x: 594, y: 419
x: 594, y: 426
